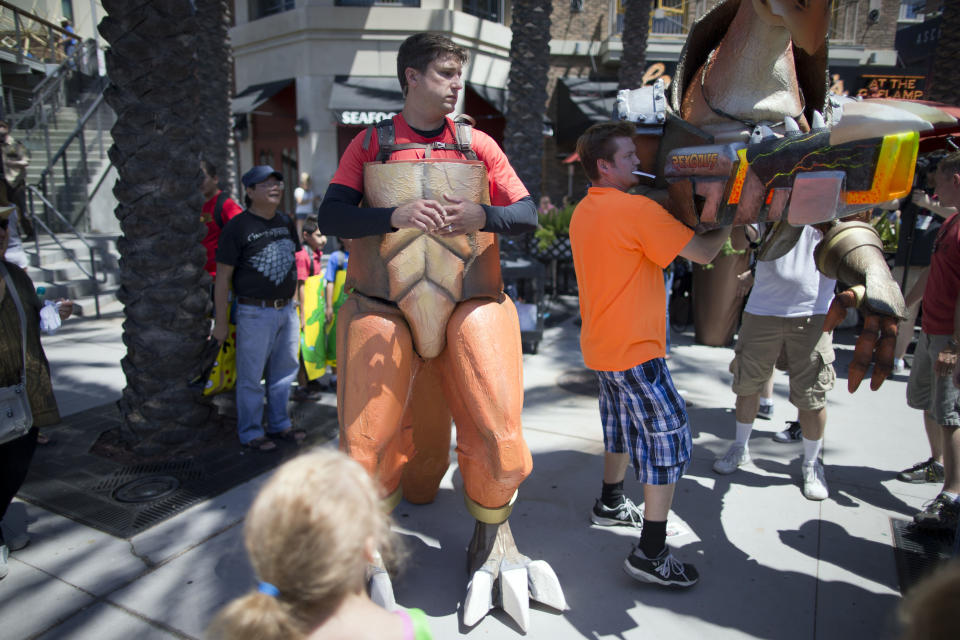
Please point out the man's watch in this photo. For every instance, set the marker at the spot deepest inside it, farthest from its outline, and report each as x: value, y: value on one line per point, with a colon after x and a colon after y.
x: 952, y: 343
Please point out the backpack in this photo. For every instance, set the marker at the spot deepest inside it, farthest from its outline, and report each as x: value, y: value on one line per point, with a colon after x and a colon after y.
x: 387, y: 137
x: 218, y: 209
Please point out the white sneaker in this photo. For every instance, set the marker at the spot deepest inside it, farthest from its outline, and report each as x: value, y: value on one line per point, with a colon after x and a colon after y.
x: 814, y: 481
x: 735, y: 457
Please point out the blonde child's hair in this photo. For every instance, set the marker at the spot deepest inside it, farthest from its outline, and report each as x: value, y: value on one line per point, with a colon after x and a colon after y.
x: 929, y: 610
x: 307, y: 535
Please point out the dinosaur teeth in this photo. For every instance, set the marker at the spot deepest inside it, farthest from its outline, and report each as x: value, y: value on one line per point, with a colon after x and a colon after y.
x: 818, y: 122
x: 790, y: 125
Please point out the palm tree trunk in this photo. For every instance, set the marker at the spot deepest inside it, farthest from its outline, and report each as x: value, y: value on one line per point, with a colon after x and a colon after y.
x: 527, y: 102
x: 216, y: 79
x: 944, y: 81
x: 152, y: 67
x: 636, y: 27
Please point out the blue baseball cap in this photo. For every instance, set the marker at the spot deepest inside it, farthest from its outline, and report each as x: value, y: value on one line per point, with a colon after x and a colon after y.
x: 260, y: 173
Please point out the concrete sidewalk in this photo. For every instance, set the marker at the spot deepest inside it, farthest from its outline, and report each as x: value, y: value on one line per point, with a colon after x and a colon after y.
x: 772, y: 564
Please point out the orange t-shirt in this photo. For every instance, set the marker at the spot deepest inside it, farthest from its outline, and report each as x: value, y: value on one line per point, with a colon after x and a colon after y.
x: 621, y: 245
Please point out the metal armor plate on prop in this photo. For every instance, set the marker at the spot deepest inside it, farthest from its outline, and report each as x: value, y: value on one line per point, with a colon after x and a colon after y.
x: 423, y: 274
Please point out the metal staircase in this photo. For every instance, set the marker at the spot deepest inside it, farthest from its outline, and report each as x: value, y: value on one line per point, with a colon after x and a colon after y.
x: 60, y: 116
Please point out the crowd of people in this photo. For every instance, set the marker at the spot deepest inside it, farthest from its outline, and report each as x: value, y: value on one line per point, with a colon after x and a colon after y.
x: 272, y: 283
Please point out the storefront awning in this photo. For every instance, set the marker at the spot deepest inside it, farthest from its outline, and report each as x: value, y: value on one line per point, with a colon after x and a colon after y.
x: 494, y: 96
x: 255, y: 95
x: 363, y: 100
x: 582, y: 102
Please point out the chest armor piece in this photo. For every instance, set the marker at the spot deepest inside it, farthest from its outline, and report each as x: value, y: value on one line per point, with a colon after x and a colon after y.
x: 423, y: 274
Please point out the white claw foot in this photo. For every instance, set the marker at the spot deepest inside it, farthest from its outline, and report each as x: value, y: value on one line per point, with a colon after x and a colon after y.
x: 502, y: 576
x: 379, y: 586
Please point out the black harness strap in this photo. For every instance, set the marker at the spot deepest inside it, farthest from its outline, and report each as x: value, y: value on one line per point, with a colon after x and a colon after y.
x: 386, y: 136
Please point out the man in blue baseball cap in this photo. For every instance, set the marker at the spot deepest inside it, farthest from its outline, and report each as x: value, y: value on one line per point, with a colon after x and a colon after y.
x: 256, y: 254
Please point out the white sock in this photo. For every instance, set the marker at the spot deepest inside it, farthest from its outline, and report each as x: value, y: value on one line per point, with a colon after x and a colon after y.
x: 743, y: 432
x: 811, y: 449
x: 766, y: 402
x: 954, y: 497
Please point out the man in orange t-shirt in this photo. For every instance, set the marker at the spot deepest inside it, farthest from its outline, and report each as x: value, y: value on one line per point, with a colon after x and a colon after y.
x: 621, y: 244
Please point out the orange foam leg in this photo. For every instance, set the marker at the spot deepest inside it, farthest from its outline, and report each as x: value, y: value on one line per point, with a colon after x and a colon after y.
x: 483, y: 381
x: 430, y: 419
x: 376, y: 368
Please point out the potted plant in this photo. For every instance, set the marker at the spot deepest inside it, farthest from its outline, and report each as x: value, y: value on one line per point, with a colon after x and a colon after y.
x: 551, y: 240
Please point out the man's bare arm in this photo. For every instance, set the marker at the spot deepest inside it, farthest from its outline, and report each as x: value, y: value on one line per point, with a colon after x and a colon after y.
x: 704, y: 247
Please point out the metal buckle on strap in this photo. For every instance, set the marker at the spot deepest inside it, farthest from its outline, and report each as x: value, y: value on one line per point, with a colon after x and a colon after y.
x: 279, y: 303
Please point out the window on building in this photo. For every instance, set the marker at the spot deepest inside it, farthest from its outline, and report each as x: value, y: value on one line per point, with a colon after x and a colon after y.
x: 843, y: 22
x: 666, y: 17
x: 66, y: 8
x: 915, y: 10
x: 378, y: 3
x: 264, y: 8
x: 491, y: 10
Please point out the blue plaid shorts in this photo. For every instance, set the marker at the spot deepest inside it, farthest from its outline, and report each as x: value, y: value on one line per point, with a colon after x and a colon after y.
x: 643, y: 414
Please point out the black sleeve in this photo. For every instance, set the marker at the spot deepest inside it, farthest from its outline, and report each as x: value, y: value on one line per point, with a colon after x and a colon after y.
x: 228, y: 248
x: 340, y: 215
x: 519, y: 217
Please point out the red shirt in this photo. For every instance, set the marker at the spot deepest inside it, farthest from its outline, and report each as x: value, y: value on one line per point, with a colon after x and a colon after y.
x: 943, y: 283
x: 210, y: 241
x: 307, y: 264
x: 505, y: 187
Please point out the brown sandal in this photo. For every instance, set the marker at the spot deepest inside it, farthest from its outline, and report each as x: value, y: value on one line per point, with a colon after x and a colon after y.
x: 260, y: 445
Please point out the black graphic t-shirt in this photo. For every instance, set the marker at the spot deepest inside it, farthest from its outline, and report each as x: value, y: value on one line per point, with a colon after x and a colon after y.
x: 262, y: 255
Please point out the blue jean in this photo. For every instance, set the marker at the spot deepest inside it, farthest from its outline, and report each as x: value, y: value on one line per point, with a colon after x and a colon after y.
x: 267, y: 344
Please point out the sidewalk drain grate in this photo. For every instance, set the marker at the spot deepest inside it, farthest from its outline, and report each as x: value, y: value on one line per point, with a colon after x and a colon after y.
x: 918, y: 553
x: 124, y: 499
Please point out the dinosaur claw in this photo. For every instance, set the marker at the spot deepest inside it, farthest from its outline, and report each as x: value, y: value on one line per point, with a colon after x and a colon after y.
x: 544, y: 585
x: 513, y: 590
x: 479, y: 598
x: 380, y: 588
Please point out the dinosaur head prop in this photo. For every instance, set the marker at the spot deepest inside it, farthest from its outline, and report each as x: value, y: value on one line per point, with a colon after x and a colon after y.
x: 806, y: 20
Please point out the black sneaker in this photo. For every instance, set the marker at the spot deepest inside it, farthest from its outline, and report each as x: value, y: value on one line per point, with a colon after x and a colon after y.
x: 664, y: 569
x: 626, y: 514
x: 765, y: 411
x: 790, y: 434
x: 940, y: 514
x: 927, y: 471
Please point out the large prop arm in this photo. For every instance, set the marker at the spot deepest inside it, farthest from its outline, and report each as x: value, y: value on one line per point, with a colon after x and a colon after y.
x: 852, y: 253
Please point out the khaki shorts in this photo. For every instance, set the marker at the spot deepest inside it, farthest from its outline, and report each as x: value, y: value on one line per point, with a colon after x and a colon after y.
x: 799, y: 343
x: 926, y: 390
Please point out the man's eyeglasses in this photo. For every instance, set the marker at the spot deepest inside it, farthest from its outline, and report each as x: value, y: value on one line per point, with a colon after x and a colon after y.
x: 270, y: 184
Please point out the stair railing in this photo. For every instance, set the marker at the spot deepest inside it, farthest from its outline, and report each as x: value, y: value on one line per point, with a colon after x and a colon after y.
x: 95, y: 117
x: 92, y: 273
x: 63, y: 217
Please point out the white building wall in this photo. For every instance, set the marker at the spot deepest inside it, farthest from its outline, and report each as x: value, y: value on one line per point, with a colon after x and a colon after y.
x: 317, y: 41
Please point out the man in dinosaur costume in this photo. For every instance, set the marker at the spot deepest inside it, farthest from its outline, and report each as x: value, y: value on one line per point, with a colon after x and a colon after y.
x: 427, y: 332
